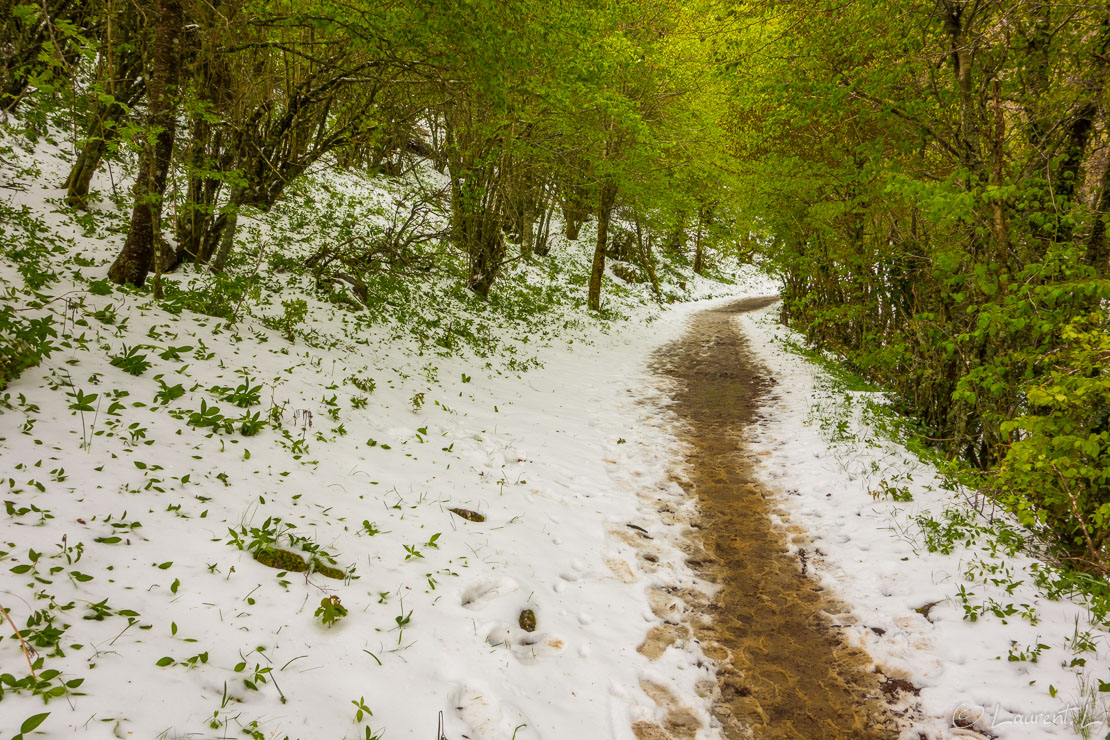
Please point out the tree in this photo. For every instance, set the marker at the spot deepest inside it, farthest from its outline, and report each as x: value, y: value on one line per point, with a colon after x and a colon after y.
x: 934, y: 194
x: 142, y: 251
x: 120, y: 83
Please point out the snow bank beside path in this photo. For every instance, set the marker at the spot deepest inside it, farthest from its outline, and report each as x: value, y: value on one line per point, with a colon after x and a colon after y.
x: 934, y: 600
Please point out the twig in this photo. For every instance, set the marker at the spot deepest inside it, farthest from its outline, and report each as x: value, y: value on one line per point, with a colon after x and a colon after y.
x: 257, y: 265
x: 55, y: 298
x: 1100, y: 562
x: 26, y: 650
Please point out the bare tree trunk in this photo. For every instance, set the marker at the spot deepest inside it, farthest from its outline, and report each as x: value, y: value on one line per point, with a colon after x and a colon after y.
x: 607, y: 197
x: 699, y: 258
x: 543, y: 232
x: 135, y: 259
x: 647, y: 259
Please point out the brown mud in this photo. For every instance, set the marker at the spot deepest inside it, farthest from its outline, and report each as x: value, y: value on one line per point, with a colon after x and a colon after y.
x: 783, y: 669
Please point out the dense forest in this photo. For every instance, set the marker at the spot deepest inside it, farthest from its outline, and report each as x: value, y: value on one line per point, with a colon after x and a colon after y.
x: 934, y: 194
x: 928, y: 180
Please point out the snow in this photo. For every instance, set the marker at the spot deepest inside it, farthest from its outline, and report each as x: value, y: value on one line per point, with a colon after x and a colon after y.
x: 874, y: 554
x: 168, y: 629
x: 555, y: 460
x: 560, y: 460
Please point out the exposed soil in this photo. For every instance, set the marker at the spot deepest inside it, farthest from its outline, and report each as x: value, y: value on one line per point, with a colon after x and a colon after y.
x: 783, y: 669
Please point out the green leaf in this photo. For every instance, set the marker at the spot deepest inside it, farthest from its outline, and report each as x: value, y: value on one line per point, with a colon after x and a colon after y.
x: 163, y: 662
x: 33, y: 721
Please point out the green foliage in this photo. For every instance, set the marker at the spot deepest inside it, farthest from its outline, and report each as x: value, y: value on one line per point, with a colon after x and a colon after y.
x: 167, y: 394
x: 130, y: 361
x: 220, y: 297
x: 330, y: 610
x: 31, y: 724
x: 209, y: 416
x: 251, y: 424
x: 291, y: 319
x: 886, y: 489
x: 1056, y: 475
x: 245, y: 395
x: 928, y: 225
x: 31, y: 244
x: 265, y: 543
x: 24, y: 342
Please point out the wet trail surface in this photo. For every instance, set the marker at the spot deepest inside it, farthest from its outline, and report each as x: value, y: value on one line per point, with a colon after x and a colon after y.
x: 783, y: 670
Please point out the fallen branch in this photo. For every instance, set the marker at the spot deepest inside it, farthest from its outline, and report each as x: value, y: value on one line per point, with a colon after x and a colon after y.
x: 26, y: 650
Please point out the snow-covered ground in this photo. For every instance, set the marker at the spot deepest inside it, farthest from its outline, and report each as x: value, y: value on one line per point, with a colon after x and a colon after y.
x: 555, y: 460
x: 134, y: 502
x: 938, y: 594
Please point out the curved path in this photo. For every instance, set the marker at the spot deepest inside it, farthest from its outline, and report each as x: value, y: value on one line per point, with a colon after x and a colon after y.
x: 783, y: 671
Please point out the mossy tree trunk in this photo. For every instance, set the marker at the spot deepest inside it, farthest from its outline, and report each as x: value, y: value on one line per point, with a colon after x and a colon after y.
x: 647, y: 260
x: 125, y: 86
x: 699, y: 246
x: 576, y: 209
x: 543, y: 229
x: 476, y: 228
x: 607, y: 196
x: 137, y: 257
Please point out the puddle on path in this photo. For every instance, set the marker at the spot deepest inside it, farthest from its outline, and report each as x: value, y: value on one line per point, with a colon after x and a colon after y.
x: 783, y: 671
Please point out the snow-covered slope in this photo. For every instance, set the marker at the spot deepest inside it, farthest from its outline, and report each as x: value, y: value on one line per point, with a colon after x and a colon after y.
x: 157, y: 449
x: 997, y: 643
x: 136, y: 500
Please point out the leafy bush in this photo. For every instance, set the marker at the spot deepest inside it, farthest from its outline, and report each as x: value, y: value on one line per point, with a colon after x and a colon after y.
x: 24, y: 342
x: 220, y: 298
x: 292, y: 317
x: 1056, y: 476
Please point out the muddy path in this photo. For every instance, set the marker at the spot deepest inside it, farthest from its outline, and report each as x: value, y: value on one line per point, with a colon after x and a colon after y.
x: 783, y: 670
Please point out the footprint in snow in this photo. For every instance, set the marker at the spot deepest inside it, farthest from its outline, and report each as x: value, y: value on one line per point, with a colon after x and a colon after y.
x: 481, y: 594
x: 577, y: 570
x: 527, y: 647
x: 621, y: 569
x: 487, y: 717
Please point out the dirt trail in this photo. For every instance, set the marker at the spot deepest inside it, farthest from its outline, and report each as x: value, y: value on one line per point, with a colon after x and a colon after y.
x: 783, y: 671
